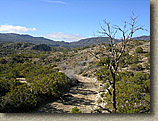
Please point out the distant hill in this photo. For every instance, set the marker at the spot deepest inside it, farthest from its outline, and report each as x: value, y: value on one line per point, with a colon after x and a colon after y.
x: 91, y: 41
x: 12, y: 37
x: 141, y: 38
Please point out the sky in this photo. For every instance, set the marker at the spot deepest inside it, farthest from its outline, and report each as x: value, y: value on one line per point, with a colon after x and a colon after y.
x: 70, y: 20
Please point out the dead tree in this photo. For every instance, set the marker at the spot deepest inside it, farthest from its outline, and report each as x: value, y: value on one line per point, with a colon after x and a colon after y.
x: 116, y: 50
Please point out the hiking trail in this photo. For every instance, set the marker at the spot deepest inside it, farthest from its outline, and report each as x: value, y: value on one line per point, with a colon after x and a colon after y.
x: 83, y: 96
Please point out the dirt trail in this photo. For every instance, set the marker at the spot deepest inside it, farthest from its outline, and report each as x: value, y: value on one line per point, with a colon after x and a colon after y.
x: 83, y: 96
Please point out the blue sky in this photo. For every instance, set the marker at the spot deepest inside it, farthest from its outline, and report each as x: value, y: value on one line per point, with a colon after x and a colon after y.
x: 69, y: 20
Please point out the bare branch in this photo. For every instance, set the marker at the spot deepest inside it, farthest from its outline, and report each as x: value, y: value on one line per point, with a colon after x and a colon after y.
x: 109, y: 91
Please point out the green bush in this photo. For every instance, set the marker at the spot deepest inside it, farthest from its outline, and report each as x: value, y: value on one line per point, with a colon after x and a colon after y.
x: 42, y: 47
x: 139, y: 67
x: 75, y: 110
x: 136, y: 67
x: 108, y: 47
x: 96, y: 53
x: 103, y: 61
x: 3, y: 61
x: 6, y: 85
x: 139, y: 77
x: 85, y: 47
x: 139, y: 50
x: 51, y: 84
x: 147, y: 66
x: 133, y: 59
x: 133, y: 93
x: 148, y: 56
x: 137, y: 42
x: 103, y: 74
x: 133, y: 66
x: 124, y: 60
x: 20, y: 98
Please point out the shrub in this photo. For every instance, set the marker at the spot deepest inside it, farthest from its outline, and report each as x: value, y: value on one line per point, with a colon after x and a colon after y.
x: 124, y: 60
x: 139, y: 67
x: 133, y: 59
x: 136, y: 67
x: 96, y: 53
x: 75, y: 110
x: 103, y: 75
x: 139, y: 50
x: 140, y: 76
x: 3, y: 61
x: 147, y: 66
x: 85, y: 47
x: 133, y: 93
x: 133, y: 66
x: 20, y: 98
x: 51, y: 84
x: 108, y: 48
x: 148, y: 56
x: 5, y: 85
x: 137, y: 42
x: 104, y: 60
x: 42, y: 47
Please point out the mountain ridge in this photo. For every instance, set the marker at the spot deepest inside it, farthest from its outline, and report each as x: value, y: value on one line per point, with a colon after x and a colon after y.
x: 13, y: 37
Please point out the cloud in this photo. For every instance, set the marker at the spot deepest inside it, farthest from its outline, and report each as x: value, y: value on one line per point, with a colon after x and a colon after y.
x: 11, y: 28
x: 54, y: 1
x: 66, y: 37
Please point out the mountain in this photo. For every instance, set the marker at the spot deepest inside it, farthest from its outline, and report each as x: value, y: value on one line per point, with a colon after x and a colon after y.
x: 91, y: 41
x: 100, y: 40
x: 12, y: 37
x: 141, y: 38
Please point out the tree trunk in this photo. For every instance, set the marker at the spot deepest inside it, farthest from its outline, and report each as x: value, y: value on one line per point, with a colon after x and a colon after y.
x: 113, y: 95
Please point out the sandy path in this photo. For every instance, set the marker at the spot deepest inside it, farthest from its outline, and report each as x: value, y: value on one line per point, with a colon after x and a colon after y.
x: 82, y: 96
